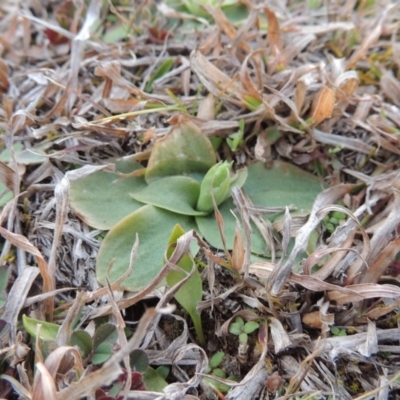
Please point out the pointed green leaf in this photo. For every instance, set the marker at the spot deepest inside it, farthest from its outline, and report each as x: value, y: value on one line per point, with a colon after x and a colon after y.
x: 183, y: 151
x: 191, y: 292
x: 164, y: 68
x: 102, y: 199
x: 153, y: 226
x: 48, y: 331
x: 178, y: 194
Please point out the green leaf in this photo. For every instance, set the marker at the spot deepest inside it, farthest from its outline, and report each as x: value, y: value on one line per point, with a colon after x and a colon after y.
x: 235, y: 140
x: 216, y: 359
x: 163, y: 371
x: 106, y: 333
x: 4, y: 275
x: 164, y: 68
x: 215, y: 184
x: 48, y: 331
x: 153, y: 227
x: 250, y: 326
x: 83, y: 340
x: 178, y: 194
x: 102, y: 353
x: 4, y: 328
x: 116, y: 33
x: 24, y: 156
x: 102, y: 199
x: 191, y: 292
x: 219, y: 373
x: 153, y: 381
x: 183, y: 151
x: 139, y: 360
x: 236, y: 328
x: 243, y: 338
x: 282, y: 185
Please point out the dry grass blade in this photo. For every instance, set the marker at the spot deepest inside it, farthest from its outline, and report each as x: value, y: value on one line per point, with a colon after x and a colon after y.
x: 216, y: 82
x: 17, y: 296
x: 280, y: 274
x: 23, y: 243
x: 370, y: 39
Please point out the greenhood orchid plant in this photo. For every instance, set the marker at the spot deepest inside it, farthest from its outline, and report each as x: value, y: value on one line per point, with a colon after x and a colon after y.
x: 179, y: 186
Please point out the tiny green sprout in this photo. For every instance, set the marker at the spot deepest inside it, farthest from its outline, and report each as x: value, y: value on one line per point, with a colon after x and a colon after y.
x: 235, y: 140
x: 217, y: 184
x: 213, y: 368
x: 331, y: 221
x: 242, y: 329
x: 338, y: 332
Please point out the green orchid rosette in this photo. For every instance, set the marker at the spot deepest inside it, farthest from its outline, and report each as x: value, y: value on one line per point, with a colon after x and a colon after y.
x: 217, y: 184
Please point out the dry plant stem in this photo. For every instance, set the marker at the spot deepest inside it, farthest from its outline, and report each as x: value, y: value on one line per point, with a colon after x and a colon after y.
x: 16, y: 298
x: 65, y: 331
x: 280, y: 274
x: 62, y: 200
x: 121, y: 337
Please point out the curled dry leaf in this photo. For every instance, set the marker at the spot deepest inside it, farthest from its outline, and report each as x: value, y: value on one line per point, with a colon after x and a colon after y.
x: 323, y: 105
x: 273, y: 382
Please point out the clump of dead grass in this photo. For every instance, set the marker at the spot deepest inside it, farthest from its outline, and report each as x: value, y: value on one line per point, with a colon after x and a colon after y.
x: 318, y: 87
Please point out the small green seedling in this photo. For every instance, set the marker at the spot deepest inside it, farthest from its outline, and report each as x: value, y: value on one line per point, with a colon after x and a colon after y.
x: 242, y: 329
x: 213, y: 368
x: 235, y: 140
x: 331, y: 221
x: 338, y: 332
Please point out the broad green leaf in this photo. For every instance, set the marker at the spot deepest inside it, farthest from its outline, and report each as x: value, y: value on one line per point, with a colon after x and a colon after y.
x: 139, y: 360
x: 102, y: 353
x: 102, y: 199
x: 153, y: 381
x: 191, y: 292
x: 106, y: 333
x: 83, y: 340
x: 178, y: 194
x: 48, y: 331
x: 282, y: 185
x: 183, y: 151
x: 24, y: 156
x: 153, y: 226
x: 163, y: 371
